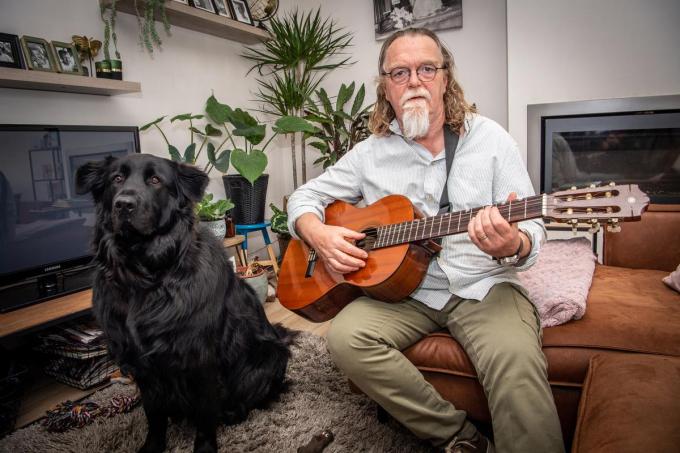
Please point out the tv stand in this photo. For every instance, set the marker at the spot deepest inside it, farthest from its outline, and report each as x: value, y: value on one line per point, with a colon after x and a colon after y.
x: 44, y: 313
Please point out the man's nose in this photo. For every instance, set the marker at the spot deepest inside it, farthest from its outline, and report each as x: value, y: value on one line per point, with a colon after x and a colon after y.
x: 413, y: 80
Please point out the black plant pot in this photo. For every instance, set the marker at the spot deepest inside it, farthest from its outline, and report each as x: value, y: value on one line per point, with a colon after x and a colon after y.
x: 249, y: 199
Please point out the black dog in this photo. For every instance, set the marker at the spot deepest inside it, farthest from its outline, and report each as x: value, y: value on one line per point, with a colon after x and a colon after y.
x: 193, y: 335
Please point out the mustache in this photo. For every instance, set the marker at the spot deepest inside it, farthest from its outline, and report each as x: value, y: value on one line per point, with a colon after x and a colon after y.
x: 416, y: 93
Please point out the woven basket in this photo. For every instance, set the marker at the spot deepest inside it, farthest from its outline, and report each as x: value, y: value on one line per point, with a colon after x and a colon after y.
x: 249, y: 199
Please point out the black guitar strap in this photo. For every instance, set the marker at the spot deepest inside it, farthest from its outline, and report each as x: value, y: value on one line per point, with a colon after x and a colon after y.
x: 450, y: 145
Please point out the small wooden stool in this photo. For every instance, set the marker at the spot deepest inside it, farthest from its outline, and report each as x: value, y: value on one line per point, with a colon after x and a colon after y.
x: 261, y: 227
x: 236, y: 242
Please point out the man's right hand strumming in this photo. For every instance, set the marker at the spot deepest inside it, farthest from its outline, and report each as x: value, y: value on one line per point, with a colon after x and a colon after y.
x: 334, y: 244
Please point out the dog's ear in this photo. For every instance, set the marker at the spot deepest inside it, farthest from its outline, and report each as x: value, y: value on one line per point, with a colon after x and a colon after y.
x: 191, y: 181
x: 91, y: 177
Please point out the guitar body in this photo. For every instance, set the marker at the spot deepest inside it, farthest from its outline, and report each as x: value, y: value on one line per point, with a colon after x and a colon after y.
x: 390, y: 274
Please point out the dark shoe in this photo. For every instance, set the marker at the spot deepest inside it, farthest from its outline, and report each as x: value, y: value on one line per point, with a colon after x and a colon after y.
x: 478, y: 444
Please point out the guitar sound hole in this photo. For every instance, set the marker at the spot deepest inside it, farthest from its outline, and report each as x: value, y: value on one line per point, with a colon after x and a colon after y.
x: 368, y: 241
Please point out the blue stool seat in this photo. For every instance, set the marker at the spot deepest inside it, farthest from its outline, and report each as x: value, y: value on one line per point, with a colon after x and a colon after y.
x: 262, y: 228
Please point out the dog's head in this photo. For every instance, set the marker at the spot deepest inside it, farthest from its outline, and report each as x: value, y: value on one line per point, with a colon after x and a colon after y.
x: 141, y: 193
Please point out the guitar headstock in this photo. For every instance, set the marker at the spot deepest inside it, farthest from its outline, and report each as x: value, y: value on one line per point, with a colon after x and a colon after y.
x: 595, y: 206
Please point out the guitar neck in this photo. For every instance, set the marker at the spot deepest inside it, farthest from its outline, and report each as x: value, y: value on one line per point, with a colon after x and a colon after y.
x: 454, y: 222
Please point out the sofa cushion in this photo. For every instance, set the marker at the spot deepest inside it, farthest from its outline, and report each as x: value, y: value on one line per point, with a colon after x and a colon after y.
x: 629, y: 404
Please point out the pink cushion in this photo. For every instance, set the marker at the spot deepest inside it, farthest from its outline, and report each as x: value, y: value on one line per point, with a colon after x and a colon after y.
x: 558, y: 283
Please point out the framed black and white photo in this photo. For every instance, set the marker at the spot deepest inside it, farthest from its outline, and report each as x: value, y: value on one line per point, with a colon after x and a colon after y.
x: 393, y: 15
x: 67, y: 58
x: 38, y: 54
x: 222, y: 8
x: 205, y: 5
x: 11, y: 55
x: 241, y: 11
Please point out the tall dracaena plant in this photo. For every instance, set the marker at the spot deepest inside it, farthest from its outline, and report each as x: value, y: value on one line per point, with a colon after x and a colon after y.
x: 303, y: 48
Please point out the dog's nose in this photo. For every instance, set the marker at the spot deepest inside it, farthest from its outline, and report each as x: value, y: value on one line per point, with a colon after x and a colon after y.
x: 125, y: 203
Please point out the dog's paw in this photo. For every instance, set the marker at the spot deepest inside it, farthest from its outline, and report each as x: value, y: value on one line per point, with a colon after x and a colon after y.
x: 318, y: 442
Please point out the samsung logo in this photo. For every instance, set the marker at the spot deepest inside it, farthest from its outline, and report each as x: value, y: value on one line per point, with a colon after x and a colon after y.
x: 52, y: 268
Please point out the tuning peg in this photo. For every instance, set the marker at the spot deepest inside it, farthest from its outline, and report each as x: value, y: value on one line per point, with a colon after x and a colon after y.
x: 616, y: 228
x: 612, y: 183
x: 595, y: 228
x: 593, y: 186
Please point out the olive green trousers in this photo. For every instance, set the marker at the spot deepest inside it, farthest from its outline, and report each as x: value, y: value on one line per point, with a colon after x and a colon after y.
x: 502, y: 337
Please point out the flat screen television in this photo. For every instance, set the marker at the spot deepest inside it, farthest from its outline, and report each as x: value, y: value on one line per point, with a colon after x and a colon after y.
x: 45, y: 227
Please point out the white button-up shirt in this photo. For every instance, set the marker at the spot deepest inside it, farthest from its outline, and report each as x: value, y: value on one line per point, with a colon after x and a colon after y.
x: 486, y: 167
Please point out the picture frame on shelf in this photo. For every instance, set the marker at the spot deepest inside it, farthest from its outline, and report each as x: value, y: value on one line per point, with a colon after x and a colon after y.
x: 67, y: 58
x: 38, y: 54
x: 241, y: 11
x: 11, y: 55
x: 222, y: 8
x: 205, y: 5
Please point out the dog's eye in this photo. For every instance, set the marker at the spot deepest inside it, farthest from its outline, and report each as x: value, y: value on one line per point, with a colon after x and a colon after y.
x: 118, y: 178
x: 155, y: 180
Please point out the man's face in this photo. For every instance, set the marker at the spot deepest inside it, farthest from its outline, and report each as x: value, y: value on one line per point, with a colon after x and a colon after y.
x: 419, y: 97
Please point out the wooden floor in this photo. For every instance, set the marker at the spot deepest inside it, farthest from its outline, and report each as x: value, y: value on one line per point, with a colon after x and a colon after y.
x: 45, y: 393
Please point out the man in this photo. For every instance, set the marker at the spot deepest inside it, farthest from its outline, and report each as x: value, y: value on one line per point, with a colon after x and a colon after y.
x: 465, y: 290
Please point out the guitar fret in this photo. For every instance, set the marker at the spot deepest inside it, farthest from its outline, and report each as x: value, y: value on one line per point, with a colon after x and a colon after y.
x: 460, y: 216
x: 509, y: 210
x: 525, y: 207
x: 448, y: 228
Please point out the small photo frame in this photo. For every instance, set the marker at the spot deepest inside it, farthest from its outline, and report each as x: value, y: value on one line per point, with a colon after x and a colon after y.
x: 205, y: 5
x: 38, y: 54
x: 11, y: 55
x: 241, y: 11
x: 67, y: 58
x: 222, y: 8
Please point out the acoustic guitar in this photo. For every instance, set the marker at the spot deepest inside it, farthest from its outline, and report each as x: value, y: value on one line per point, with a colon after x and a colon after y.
x: 399, y: 243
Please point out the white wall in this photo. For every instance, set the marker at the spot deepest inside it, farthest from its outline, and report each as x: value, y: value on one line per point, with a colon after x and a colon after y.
x: 584, y: 49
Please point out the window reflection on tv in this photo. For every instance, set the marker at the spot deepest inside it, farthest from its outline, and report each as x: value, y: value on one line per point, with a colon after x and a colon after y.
x: 43, y: 221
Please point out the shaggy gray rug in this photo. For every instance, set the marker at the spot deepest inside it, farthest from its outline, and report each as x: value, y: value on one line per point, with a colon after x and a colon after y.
x: 319, y: 398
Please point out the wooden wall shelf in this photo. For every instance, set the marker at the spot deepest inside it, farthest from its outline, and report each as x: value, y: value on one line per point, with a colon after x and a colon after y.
x: 67, y: 83
x: 35, y: 315
x: 191, y: 18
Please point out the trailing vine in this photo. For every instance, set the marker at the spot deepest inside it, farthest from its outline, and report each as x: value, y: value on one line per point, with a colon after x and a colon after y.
x: 148, y: 35
x: 109, y: 29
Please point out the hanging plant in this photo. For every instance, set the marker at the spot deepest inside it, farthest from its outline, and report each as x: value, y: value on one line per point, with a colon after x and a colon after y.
x: 108, y: 15
x: 148, y: 35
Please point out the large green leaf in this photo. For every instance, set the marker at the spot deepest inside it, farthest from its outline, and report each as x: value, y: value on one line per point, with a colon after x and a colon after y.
x: 218, y: 112
x: 174, y: 154
x: 359, y: 100
x: 290, y: 124
x: 190, y: 154
x: 222, y: 161
x: 148, y: 125
x: 185, y: 116
x: 344, y: 95
x: 241, y: 119
x: 249, y: 165
x: 254, y: 134
x: 211, y: 131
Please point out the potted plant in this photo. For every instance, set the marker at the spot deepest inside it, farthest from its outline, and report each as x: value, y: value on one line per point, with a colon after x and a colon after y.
x: 280, y: 227
x: 248, y: 189
x: 256, y: 276
x: 339, y: 130
x: 211, y: 214
x: 293, y: 64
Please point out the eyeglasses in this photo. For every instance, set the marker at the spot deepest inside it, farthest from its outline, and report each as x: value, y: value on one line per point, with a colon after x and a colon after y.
x: 425, y: 72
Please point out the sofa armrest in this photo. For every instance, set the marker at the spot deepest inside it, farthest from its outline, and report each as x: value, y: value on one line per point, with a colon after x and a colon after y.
x: 653, y: 242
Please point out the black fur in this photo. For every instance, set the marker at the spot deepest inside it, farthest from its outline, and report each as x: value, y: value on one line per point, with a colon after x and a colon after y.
x: 193, y: 335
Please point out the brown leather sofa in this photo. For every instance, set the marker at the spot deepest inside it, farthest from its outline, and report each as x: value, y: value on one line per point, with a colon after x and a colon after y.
x: 630, y: 312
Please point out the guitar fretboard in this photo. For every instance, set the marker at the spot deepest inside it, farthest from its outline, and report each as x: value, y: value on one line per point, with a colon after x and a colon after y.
x: 454, y: 222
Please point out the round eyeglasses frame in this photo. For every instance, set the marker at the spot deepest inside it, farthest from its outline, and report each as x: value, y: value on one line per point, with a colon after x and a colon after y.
x: 402, y: 75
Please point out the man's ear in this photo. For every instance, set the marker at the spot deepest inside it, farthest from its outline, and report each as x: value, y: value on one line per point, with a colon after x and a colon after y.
x: 91, y: 177
x: 191, y: 181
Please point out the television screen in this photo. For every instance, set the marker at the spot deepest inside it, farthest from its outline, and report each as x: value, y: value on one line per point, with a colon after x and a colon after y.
x: 44, y: 224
